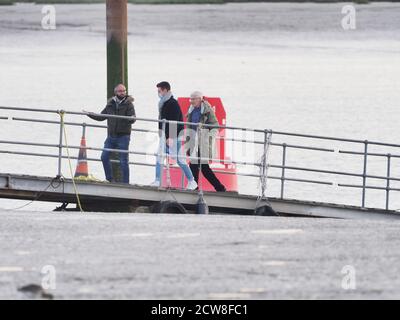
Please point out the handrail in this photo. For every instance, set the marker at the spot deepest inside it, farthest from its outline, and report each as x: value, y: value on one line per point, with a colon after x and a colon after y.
x: 342, y: 173
x: 36, y: 154
x: 123, y: 117
x: 29, y: 109
x: 368, y: 187
x: 156, y: 132
x: 377, y: 154
x: 124, y: 151
x: 82, y: 124
x: 204, y: 125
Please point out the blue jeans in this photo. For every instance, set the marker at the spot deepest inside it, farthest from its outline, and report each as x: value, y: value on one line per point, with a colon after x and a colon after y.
x: 121, y: 143
x: 175, y: 152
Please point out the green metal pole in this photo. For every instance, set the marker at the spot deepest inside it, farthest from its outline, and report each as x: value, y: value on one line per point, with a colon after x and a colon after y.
x: 117, y: 56
x: 117, y: 48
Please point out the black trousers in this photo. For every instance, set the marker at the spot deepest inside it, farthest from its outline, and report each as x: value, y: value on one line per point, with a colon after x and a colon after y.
x: 208, y: 174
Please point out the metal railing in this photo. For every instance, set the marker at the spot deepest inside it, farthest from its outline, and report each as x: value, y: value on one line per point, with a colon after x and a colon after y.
x: 262, y: 166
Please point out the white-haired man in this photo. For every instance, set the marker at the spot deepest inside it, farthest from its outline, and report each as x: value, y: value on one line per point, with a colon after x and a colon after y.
x: 201, y: 143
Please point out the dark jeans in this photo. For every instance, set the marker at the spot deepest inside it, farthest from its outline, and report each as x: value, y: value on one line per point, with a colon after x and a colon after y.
x: 208, y: 174
x: 121, y: 143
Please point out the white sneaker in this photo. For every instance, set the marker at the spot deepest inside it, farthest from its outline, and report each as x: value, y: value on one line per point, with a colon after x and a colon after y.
x: 192, y: 185
x: 155, y: 183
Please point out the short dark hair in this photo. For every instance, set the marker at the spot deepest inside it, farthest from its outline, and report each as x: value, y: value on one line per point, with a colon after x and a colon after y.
x: 164, y: 85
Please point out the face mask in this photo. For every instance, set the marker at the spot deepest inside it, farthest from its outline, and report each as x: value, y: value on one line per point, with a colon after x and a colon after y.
x: 160, y: 95
x: 120, y: 97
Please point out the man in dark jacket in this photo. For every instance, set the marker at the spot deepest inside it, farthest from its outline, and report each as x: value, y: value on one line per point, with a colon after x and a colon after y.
x: 170, y: 141
x: 119, y: 130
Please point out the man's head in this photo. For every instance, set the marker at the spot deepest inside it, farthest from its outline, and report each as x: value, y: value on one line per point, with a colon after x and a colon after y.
x: 163, y: 88
x: 120, y: 91
x: 196, y: 98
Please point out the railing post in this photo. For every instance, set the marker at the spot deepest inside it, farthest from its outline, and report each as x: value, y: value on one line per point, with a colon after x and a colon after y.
x: 60, y: 142
x: 364, y: 173
x: 84, y: 130
x: 283, y: 170
x: 199, y: 156
x: 181, y: 149
x: 388, y: 180
x: 182, y: 180
x: 162, y: 150
x: 168, y: 168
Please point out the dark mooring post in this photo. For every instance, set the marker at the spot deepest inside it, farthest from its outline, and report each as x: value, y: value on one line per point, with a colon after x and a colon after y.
x: 117, y: 56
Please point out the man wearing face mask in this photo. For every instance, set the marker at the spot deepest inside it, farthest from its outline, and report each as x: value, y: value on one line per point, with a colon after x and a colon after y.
x: 170, y: 143
x: 118, y: 130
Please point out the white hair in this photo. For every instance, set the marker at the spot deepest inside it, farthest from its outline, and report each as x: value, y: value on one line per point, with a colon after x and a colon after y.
x: 196, y: 94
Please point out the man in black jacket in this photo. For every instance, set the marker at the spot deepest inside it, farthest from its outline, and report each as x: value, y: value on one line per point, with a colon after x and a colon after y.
x: 119, y: 130
x: 170, y: 141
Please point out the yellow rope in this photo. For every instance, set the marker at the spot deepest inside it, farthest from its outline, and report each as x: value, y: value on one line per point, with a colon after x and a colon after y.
x: 90, y: 177
x: 61, y: 113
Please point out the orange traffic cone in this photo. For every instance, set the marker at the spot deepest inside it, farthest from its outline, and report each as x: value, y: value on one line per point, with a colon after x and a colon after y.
x: 82, y: 169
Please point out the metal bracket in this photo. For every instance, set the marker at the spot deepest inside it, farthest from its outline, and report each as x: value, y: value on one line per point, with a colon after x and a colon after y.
x: 8, y: 182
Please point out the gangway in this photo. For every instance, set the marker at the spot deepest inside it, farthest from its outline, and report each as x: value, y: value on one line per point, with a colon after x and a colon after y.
x: 104, y: 196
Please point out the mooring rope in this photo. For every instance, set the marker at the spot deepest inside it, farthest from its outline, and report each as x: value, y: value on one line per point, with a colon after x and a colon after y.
x: 62, y: 113
x: 264, y: 167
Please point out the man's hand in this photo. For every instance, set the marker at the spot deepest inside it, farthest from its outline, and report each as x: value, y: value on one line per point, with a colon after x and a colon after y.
x: 169, y: 142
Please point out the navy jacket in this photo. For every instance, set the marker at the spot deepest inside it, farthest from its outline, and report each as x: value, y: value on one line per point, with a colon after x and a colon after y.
x: 171, y: 111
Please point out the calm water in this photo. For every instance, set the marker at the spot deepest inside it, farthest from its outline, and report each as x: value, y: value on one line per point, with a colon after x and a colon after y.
x: 288, y: 67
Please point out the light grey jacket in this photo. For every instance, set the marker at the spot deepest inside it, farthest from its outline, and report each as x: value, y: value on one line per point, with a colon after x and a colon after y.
x: 207, y: 135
